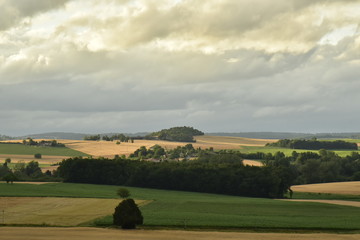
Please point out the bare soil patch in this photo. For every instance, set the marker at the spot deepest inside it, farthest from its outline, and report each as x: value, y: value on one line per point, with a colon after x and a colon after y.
x: 28, y: 233
x: 55, y: 211
x: 352, y: 188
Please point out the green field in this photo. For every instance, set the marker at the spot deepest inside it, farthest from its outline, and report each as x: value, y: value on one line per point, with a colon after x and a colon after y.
x: 287, y: 151
x: 21, y: 149
x: 199, y: 210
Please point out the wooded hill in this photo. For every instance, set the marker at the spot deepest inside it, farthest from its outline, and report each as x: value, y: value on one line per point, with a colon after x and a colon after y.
x: 176, y: 134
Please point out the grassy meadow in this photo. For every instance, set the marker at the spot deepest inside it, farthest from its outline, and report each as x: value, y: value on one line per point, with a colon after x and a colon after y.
x: 199, y: 210
x: 20, y: 149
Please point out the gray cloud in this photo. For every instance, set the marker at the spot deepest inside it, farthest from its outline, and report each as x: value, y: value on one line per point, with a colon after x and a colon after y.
x: 218, y: 66
x: 11, y: 12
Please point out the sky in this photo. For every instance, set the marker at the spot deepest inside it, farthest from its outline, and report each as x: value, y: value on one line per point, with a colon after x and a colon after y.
x: 144, y: 65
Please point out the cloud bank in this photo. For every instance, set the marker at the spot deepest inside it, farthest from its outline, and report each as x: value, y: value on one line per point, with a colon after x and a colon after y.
x: 125, y: 66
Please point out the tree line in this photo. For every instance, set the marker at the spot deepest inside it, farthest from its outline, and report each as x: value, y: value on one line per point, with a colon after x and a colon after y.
x: 22, y: 171
x: 215, y: 173
x: 119, y: 137
x: 42, y: 143
x: 313, y: 144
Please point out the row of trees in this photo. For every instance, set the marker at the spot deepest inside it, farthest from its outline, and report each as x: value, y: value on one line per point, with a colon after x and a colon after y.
x: 312, y: 167
x: 43, y: 143
x: 223, y: 174
x: 22, y: 171
x: 119, y: 137
x: 313, y: 144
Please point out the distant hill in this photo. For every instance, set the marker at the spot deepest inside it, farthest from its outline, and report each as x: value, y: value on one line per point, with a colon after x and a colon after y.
x: 176, y: 134
x: 258, y: 135
x: 4, y: 137
x: 73, y: 136
x: 287, y: 135
x: 56, y: 135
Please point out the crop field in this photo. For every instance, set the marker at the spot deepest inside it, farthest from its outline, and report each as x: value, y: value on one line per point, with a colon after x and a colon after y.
x: 109, y: 149
x: 349, y: 188
x: 20, y: 149
x: 28, y: 233
x: 198, y: 210
x: 54, y: 211
x: 232, y: 141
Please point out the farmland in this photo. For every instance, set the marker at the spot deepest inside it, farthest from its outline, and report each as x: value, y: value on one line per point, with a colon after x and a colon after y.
x: 110, y: 149
x: 198, y: 210
x: 350, y: 188
x: 245, y: 145
x: 27, y: 233
x: 20, y: 149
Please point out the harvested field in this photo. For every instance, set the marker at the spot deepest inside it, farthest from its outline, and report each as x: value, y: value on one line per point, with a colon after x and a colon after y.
x: 252, y: 163
x: 109, y: 149
x: 55, y: 211
x: 232, y: 141
x: 352, y: 188
x: 28, y: 233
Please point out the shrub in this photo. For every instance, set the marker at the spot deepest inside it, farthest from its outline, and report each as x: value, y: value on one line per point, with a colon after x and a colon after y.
x: 127, y: 214
x: 37, y: 155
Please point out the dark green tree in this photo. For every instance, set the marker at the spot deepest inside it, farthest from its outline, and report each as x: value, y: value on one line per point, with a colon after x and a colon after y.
x: 10, y: 178
x: 32, y: 169
x: 123, y: 193
x: 127, y: 214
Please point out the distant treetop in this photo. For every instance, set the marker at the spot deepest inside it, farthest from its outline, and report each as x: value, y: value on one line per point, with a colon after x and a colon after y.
x: 176, y: 134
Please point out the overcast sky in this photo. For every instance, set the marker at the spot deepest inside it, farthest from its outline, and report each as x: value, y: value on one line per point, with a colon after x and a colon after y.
x: 144, y: 65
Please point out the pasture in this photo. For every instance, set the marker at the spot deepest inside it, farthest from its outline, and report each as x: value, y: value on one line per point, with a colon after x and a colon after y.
x: 20, y: 149
x: 206, y: 211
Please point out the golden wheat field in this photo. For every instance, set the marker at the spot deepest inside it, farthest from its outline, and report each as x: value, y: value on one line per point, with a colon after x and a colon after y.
x: 49, y: 233
x: 55, y: 211
x: 352, y: 188
x: 109, y: 149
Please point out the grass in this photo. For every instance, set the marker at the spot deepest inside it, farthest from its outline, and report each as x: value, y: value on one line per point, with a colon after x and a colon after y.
x: 200, y: 210
x: 55, y: 211
x: 21, y: 149
x: 325, y: 196
x: 287, y: 151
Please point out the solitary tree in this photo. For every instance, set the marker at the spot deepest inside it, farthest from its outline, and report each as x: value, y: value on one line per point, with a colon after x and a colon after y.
x: 127, y: 214
x: 123, y: 193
